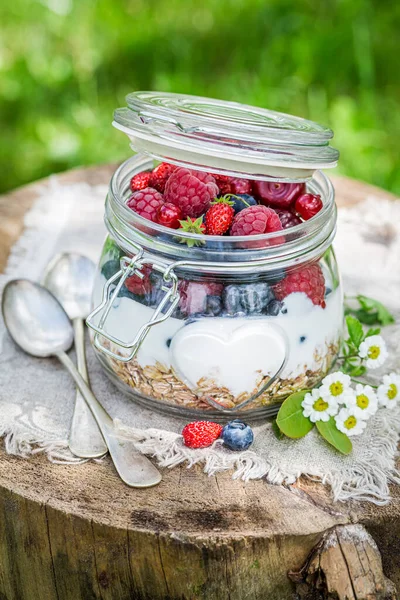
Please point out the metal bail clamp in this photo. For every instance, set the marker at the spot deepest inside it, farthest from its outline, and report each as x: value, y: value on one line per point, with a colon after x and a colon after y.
x: 129, y: 267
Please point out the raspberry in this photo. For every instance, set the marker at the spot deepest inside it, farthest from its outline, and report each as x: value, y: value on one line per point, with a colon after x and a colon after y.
x: 169, y: 215
x: 159, y: 176
x: 140, y: 181
x: 205, y: 178
x: 255, y: 220
x: 308, y: 205
x: 278, y: 194
x: 139, y: 286
x: 194, y: 294
x: 287, y: 218
x: 241, y: 186
x: 146, y: 203
x: 224, y: 184
x: 201, y: 434
x: 309, y: 280
x: 188, y: 191
x: 219, y: 216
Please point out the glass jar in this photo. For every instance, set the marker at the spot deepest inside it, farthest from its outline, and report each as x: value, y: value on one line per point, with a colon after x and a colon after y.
x: 218, y: 325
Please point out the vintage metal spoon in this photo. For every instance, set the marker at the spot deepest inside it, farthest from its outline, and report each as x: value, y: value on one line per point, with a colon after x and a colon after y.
x: 39, y: 325
x: 70, y: 277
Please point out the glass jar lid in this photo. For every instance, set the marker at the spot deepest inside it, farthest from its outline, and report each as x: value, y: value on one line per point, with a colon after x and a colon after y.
x: 225, y: 137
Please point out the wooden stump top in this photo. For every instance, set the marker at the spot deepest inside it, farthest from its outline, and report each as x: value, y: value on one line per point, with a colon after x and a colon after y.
x: 86, y: 535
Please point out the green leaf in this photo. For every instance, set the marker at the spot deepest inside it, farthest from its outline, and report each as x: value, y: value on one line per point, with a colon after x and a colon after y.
x: 369, y: 304
x: 290, y: 418
x: 355, y: 329
x: 373, y: 331
x: 334, y: 437
x: 278, y: 433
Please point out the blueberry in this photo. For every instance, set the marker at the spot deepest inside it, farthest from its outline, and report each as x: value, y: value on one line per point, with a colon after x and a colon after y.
x: 237, y: 435
x: 284, y: 309
x: 231, y: 298
x: 274, y: 308
x: 302, y: 338
x: 242, y: 201
x: 214, y: 305
x: 168, y: 342
x: 255, y: 296
x: 110, y: 268
x: 328, y: 291
x: 125, y: 293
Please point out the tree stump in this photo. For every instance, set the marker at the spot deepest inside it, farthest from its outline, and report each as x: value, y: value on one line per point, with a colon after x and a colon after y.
x: 71, y: 532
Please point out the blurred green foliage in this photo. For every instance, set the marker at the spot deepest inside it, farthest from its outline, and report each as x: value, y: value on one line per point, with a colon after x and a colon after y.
x: 66, y: 64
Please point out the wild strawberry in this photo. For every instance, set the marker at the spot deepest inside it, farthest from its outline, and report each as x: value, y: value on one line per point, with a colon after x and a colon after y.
x: 140, y: 181
x: 308, y: 205
x: 169, y: 215
x: 309, y: 280
x: 192, y: 225
x: 201, y: 434
x: 278, y: 194
x: 255, y: 220
x: 191, y: 191
x: 146, y: 203
x: 219, y: 216
x: 159, y: 176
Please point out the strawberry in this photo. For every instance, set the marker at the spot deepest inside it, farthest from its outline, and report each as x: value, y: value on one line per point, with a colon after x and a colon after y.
x: 140, y: 181
x: 219, y: 216
x: 201, y: 434
x: 160, y: 175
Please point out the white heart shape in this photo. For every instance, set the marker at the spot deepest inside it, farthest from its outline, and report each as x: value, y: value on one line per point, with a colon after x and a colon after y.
x: 232, y: 352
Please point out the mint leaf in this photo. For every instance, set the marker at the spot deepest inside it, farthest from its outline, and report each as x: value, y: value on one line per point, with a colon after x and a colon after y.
x: 383, y: 316
x: 355, y: 329
x: 290, y: 418
x: 333, y: 436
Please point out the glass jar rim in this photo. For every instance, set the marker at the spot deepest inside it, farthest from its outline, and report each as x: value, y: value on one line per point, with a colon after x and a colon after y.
x: 309, y: 239
x: 225, y: 137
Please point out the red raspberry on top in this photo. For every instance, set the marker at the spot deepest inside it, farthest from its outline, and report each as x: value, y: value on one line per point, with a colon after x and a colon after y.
x: 188, y: 191
x: 219, y: 216
x: 146, y: 203
x: 309, y: 280
x: 241, y: 186
x: 255, y: 220
x: 140, y: 181
x: 159, y: 176
x: 205, y: 178
x: 224, y: 183
x: 201, y: 434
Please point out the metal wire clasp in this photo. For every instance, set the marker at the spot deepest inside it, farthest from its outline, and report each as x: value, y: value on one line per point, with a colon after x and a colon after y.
x: 129, y: 267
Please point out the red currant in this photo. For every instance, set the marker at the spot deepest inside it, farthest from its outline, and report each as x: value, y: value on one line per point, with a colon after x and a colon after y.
x: 169, y: 215
x: 308, y: 205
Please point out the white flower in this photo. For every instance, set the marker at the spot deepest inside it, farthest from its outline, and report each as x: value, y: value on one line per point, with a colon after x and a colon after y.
x: 349, y: 423
x: 374, y: 350
x: 389, y: 391
x: 363, y: 402
x: 318, y: 407
x: 336, y: 386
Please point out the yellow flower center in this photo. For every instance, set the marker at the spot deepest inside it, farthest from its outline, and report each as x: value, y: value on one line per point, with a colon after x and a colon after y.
x: 320, y: 405
x: 374, y: 352
x: 336, y: 388
x: 392, y: 391
x: 362, y: 401
x: 350, y: 422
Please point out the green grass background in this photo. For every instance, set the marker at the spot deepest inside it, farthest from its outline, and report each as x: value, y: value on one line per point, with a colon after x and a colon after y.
x: 66, y: 64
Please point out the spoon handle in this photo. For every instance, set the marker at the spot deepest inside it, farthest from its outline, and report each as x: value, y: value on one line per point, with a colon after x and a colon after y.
x: 85, y: 439
x: 134, y: 468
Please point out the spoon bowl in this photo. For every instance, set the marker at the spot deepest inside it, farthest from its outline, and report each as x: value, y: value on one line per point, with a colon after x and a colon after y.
x: 35, y: 319
x: 70, y: 278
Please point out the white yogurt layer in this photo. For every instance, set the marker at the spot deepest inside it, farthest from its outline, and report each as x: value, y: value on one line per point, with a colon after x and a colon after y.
x: 233, y: 352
